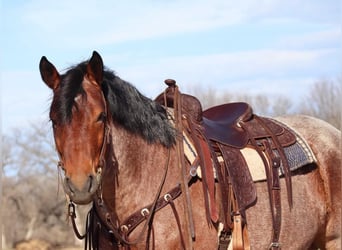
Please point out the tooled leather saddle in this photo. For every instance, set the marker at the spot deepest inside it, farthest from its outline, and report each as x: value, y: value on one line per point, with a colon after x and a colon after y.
x: 218, y: 134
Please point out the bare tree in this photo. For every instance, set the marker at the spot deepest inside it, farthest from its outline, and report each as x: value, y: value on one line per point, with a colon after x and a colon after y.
x: 281, y: 106
x: 324, y: 101
x: 207, y: 95
x: 31, y: 205
x: 261, y: 104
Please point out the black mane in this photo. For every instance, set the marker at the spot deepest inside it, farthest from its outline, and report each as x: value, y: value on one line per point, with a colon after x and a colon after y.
x: 127, y: 105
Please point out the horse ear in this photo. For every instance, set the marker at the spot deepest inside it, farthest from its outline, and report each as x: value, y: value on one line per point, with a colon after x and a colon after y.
x: 95, y: 68
x: 49, y: 73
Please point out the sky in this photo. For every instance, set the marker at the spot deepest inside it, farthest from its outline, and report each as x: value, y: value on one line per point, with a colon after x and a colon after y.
x: 249, y: 46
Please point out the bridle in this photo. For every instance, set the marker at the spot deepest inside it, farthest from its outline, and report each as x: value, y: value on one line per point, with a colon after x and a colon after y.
x: 101, y: 164
x: 100, y: 217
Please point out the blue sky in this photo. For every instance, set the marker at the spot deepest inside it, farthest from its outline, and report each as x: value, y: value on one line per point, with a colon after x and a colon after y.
x: 250, y: 46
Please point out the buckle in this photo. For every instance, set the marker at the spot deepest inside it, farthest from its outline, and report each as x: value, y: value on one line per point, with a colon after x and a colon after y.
x: 274, y: 245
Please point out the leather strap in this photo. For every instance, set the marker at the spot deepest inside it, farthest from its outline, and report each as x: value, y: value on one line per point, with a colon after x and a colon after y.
x: 111, y: 222
x: 139, y: 216
x: 276, y: 206
x: 72, y: 215
x: 272, y: 158
x: 204, y: 160
x: 209, y: 179
x: 283, y: 160
x: 273, y: 192
x: 175, y: 213
x: 237, y: 232
x: 246, y: 242
x: 225, y: 192
x: 181, y: 163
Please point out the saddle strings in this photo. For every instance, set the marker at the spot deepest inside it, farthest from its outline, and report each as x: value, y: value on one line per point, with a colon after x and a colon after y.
x: 181, y: 162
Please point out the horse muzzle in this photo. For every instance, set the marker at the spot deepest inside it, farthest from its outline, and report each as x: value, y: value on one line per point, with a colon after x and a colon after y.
x: 82, y: 194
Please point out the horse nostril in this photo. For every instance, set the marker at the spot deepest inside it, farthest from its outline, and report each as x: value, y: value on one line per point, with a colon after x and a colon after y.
x: 90, y: 183
x: 78, y: 186
x: 69, y: 184
x: 67, y: 180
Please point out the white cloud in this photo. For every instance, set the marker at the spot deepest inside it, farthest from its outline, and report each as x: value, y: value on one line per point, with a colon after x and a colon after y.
x: 69, y: 28
x: 24, y: 98
x: 321, y: 38
x: 220, y: 70
x: 240, y: 63
x: 111, y: 22
x: 107, y: 22
x: 294, y: 88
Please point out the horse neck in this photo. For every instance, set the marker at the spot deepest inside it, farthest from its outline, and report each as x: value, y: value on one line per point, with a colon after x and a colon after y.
x: 140, y: 168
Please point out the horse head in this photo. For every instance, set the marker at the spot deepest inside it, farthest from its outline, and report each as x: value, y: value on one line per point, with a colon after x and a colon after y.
x: 78, y: 114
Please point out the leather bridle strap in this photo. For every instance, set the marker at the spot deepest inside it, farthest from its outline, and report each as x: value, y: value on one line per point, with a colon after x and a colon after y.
x: 139, y: 216
x: 72, y: 215
x: 110, y: 222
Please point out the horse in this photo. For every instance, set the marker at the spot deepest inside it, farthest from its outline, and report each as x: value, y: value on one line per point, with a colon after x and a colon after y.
x: 122, y: 152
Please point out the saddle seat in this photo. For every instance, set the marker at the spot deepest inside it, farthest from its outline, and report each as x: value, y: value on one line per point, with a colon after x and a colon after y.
x: 221, y: 123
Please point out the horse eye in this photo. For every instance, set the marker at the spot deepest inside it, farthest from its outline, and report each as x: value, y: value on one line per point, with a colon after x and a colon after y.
x: 102, y: 117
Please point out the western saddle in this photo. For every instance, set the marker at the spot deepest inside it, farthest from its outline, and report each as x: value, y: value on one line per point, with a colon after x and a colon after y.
x: 218, y: 134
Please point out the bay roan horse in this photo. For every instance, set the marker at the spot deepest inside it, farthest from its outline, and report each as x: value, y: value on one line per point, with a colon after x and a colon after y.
x: 125, y: 153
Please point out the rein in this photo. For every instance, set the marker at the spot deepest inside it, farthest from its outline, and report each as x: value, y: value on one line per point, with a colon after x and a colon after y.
x: 72, y: 215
